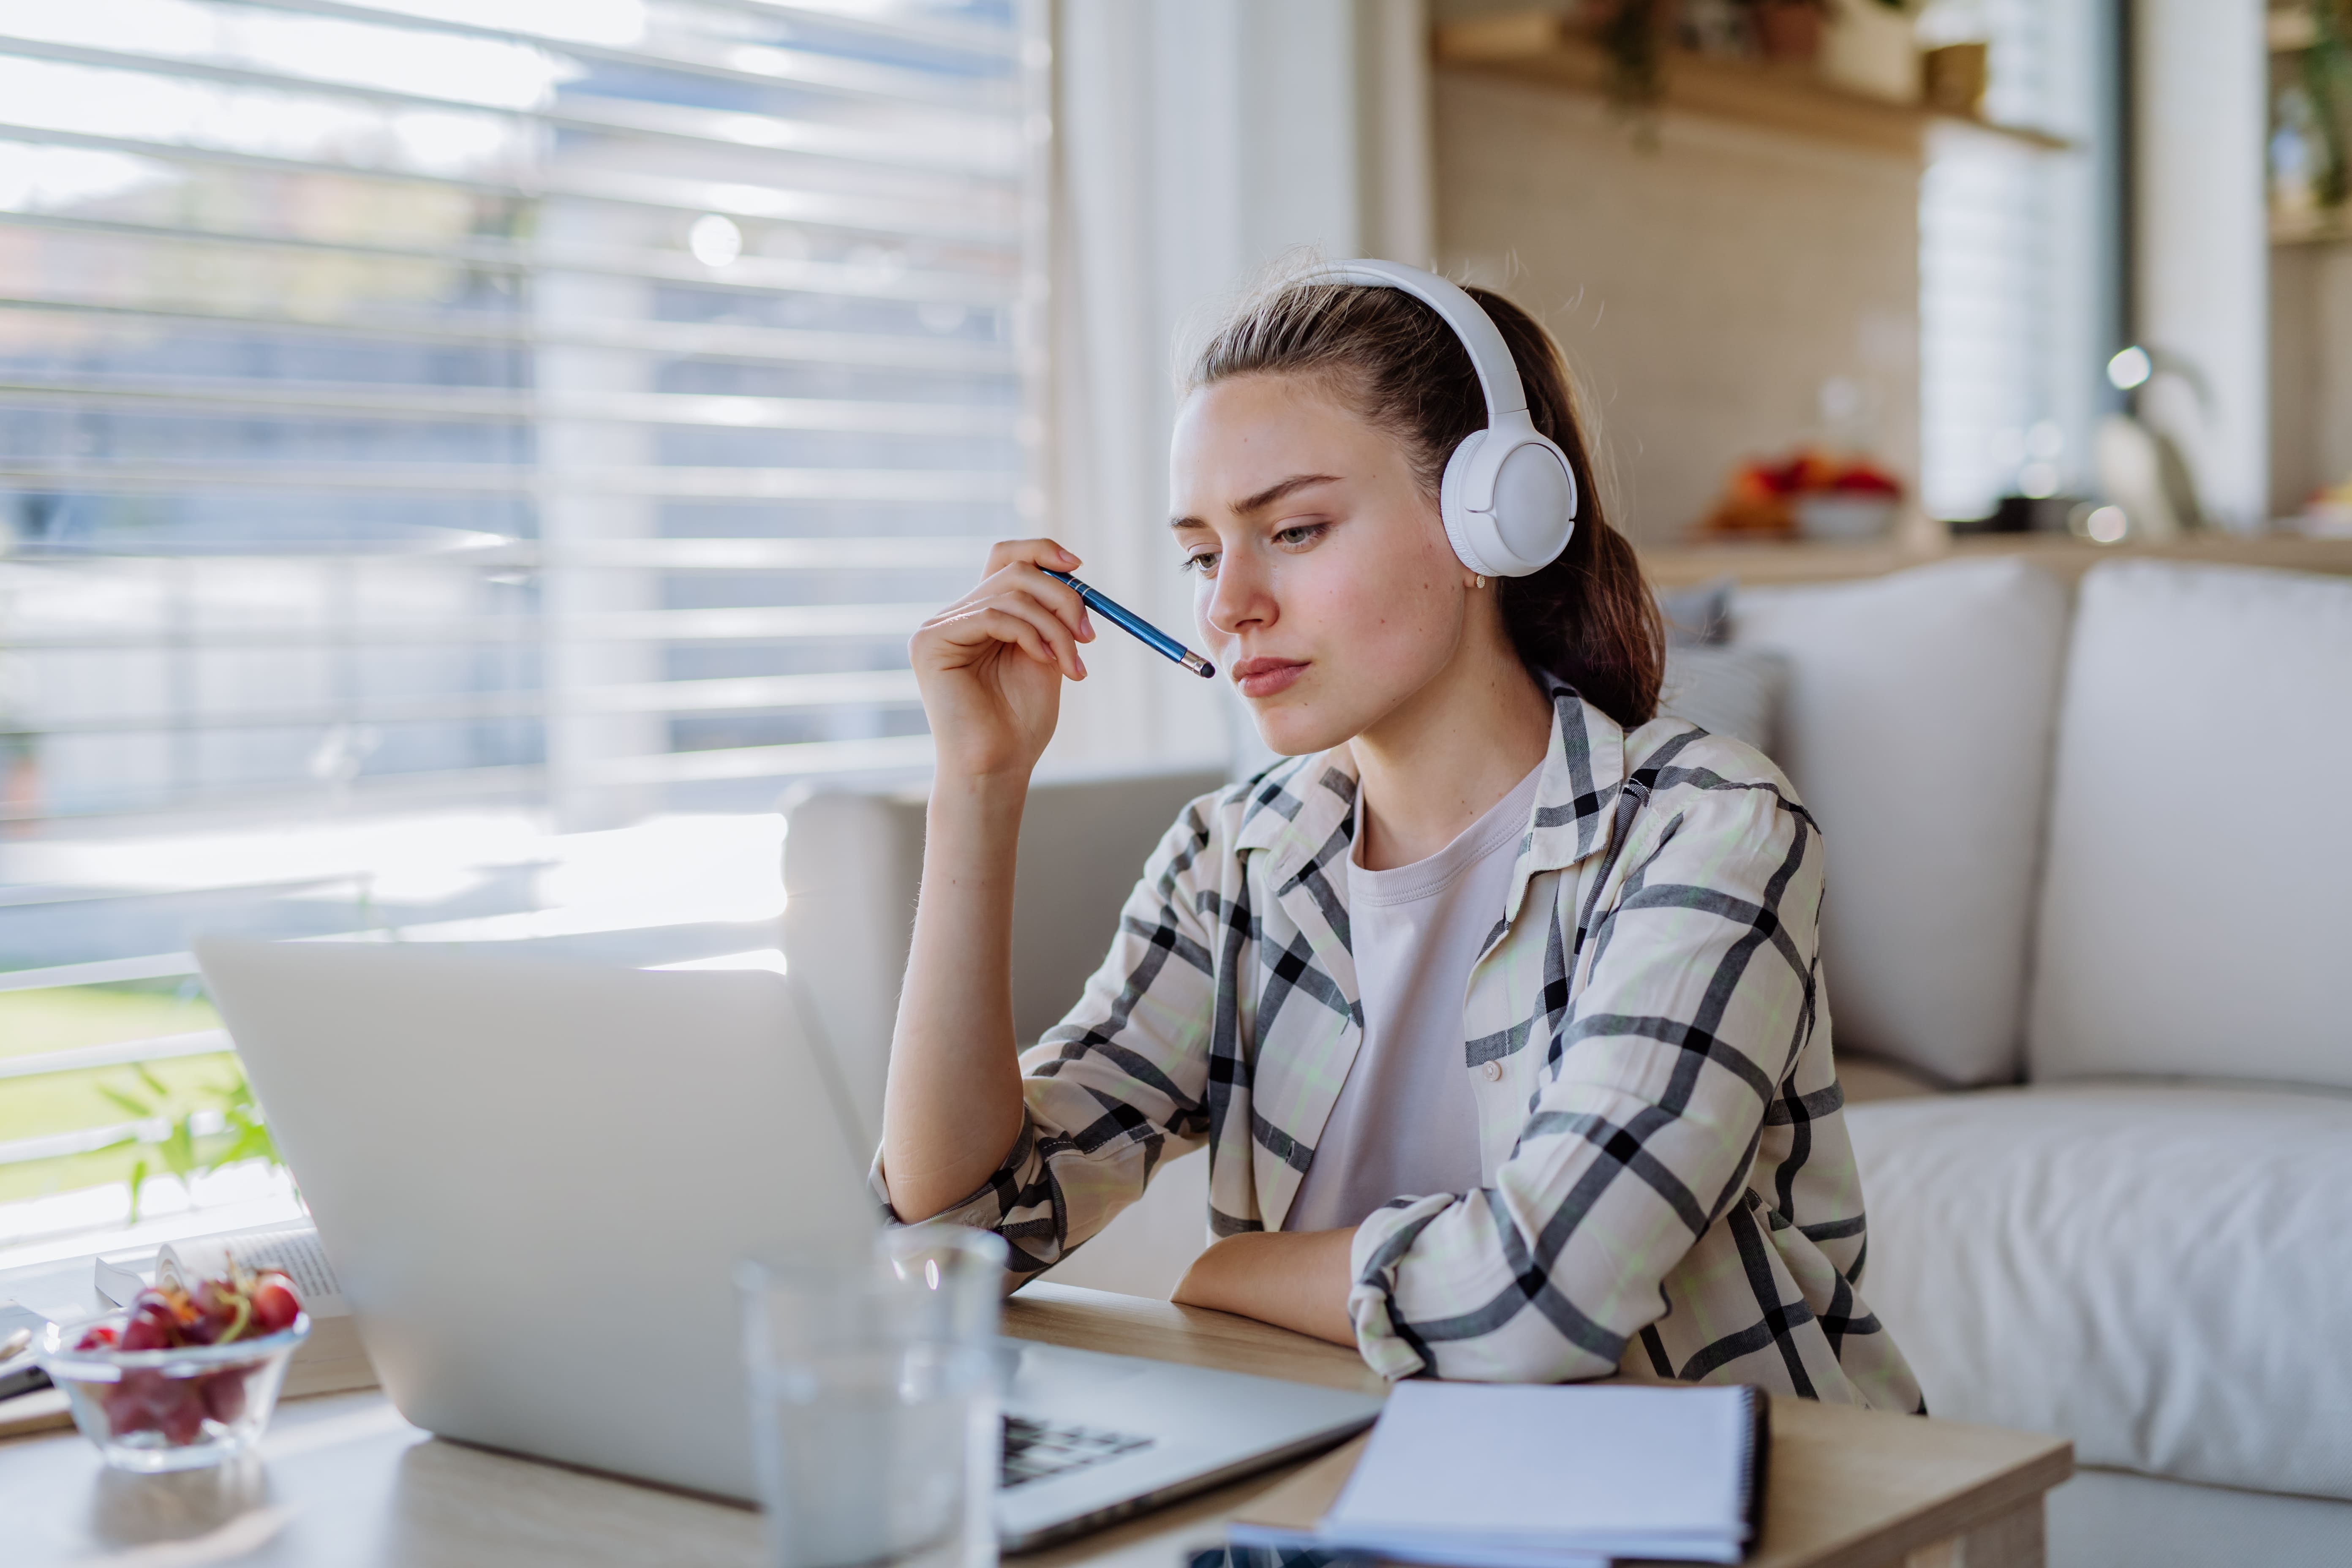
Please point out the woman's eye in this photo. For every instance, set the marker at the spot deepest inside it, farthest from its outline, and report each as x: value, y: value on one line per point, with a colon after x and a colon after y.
x: 1203, y: 561
x: 1299, y: 535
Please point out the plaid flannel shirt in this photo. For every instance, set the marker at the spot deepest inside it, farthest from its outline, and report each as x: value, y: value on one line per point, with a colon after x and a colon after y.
x: 1668, y: 1189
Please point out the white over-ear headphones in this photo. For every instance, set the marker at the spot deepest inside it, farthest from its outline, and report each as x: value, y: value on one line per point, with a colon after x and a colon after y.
x: 1508, y: 496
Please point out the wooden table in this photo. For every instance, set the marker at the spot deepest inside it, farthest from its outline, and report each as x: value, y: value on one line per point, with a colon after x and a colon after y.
x: 342, y: 1479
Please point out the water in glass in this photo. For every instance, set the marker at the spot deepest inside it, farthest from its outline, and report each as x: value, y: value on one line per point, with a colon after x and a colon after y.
x: 875, y: 1412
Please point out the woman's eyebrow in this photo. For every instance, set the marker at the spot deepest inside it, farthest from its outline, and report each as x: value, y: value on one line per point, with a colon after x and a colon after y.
x: 1263, y: 498
x: 1275, y: 492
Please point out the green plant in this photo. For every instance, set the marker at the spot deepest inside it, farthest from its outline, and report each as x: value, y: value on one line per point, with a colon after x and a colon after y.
x: 1631, y: 36
x: 1636, y: 36
x: 2327, y: 78
x: 183, y: 1153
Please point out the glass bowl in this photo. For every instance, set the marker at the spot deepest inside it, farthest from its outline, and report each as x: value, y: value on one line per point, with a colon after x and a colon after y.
x: 170, y: 1409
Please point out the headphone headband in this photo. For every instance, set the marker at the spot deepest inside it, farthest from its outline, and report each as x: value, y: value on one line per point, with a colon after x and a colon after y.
x: 1498, y: 373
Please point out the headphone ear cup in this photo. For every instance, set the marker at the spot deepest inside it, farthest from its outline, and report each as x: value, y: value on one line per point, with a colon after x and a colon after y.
x: 1459, y: 524
x: 1533, y: 508
x: 1530, y: 494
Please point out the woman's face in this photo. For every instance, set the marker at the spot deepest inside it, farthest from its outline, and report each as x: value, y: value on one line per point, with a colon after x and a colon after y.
x: 1327, y: 590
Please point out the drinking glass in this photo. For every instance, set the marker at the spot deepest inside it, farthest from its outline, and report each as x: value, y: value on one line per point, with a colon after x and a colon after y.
x: 875, y: 1412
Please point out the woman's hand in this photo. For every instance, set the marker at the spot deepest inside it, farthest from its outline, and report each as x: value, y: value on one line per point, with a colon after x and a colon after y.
x: 1293, y: 1280
x: 991, y: 664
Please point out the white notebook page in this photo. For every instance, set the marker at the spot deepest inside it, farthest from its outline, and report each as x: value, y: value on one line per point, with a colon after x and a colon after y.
x: 1557, y: 1466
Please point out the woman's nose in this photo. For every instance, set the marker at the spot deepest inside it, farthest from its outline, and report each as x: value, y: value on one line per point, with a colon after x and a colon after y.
x: 1238, y: 597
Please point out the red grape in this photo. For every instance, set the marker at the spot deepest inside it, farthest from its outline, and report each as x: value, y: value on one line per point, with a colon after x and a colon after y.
x: 183, y: 1418
x: 224, y: 1393
x: 126, y: 1414
x: 97, y: 1337
x: 152, y: 1327
x: 222, y: 1312
x: 137, y: 1403
x: 275, y: 1304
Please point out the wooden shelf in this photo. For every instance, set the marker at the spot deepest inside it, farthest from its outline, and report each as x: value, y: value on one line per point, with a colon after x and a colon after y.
x: 2290, y: 30
x: 2326, y: 226
x: 1683, y: 566
x: 1542, y: 47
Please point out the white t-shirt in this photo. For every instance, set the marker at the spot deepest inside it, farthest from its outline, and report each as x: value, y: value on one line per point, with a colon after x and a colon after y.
x: 1405, y: 1122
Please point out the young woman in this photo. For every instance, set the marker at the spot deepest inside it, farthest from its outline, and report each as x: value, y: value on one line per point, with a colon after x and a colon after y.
x: 1497, y: 1004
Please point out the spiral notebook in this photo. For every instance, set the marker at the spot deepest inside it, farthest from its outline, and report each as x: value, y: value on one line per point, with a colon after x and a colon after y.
x: 1518, y: 1475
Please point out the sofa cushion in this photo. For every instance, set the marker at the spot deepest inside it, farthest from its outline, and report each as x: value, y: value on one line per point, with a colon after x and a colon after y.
x: 2157, y: 1271
x: 854, y: 860
x: 1733, y: 691
x: 1917, y: 727
x: 2193, y: 913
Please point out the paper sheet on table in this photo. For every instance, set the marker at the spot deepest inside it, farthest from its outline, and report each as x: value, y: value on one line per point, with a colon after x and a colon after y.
x: 1530, y: 1477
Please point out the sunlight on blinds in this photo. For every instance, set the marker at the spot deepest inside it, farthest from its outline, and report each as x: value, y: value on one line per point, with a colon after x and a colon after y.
x: 459, y: 460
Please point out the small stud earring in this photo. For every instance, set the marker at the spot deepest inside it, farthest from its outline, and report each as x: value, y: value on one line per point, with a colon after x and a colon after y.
x: 1481, y: 582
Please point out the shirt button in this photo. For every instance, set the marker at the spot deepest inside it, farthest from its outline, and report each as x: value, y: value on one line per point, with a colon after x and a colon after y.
x: 1492, y: 1072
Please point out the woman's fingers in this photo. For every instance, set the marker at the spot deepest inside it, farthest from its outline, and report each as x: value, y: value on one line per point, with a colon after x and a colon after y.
x: 1030, y: 552
x: 1057, y: 595
x: 1049, y: 626
x: 1018, y: 604
x: 1020, y: 576
x: 1014, y: 617
x: 1004, y: 627
x: 1026, y: 560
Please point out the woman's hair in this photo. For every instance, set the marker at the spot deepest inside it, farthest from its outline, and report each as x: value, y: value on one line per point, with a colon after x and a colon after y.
x: 1587, y: 617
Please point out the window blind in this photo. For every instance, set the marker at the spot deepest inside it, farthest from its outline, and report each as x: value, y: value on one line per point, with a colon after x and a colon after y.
x: 437, y: 432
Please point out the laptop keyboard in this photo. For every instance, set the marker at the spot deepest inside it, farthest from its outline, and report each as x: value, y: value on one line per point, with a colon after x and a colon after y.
x: 1035, y: 1450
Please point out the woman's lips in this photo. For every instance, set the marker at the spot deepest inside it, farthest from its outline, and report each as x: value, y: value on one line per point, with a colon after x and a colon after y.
x: 1265, y: 676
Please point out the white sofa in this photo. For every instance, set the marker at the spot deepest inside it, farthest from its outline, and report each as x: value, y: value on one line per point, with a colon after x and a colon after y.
x: 2090, y: 892
x: 2092, y: 864
x: 852, y: 861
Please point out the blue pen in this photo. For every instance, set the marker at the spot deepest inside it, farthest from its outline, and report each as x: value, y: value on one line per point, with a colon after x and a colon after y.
x: 1129, y: 621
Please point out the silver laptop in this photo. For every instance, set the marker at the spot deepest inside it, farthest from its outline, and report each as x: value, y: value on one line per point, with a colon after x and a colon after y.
x: 535, y: 1179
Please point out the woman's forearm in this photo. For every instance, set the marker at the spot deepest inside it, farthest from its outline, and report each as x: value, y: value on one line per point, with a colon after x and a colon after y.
x: 1293, y: 1279
x: 952, y: 1108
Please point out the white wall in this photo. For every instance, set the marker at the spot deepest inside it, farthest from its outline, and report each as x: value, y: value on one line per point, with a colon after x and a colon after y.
x: 1704, y: 288
x: 2200, y: 77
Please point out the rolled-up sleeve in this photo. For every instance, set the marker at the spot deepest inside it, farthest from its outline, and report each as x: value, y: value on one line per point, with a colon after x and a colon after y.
x: 1699, y: 991
x: 1119, y: 1086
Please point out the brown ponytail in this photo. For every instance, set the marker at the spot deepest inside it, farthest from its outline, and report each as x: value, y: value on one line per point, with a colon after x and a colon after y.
x: 1587, y: 617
